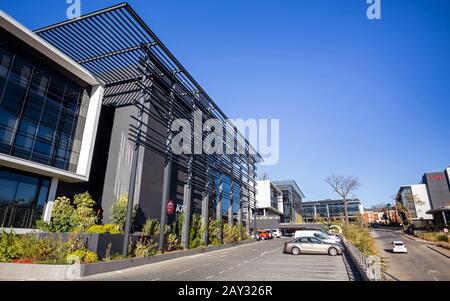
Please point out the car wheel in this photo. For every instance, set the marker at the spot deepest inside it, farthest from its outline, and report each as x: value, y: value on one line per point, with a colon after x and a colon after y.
x: 332, y: 252
x: 295, y: 251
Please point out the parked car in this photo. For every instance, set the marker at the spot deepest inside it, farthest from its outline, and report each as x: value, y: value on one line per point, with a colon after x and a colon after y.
x: 256, y: 236
x: 276, y: 233
x: 264, y: 235
x: 322, y: 235
x: 399, y: 246
x: 311, y: 245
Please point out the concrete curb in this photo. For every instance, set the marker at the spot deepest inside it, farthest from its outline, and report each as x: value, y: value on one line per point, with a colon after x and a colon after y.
x: 73, y: 272
x: 418, y: 239
x: 437, y: 250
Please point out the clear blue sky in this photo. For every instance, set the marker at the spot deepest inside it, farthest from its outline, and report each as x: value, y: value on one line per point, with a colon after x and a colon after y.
x: 354, y: 97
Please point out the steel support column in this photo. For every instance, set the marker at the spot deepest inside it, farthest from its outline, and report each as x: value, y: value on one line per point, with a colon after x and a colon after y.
x: 134, y: 166
x: 167, y: 172
x: 219, y: 208
x: 187, y: 196
x: 205, y: 217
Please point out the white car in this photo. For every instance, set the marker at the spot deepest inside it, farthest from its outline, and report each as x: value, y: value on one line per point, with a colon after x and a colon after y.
x: 399, y: 247
x: 322, y: 235
x: 276, y: 233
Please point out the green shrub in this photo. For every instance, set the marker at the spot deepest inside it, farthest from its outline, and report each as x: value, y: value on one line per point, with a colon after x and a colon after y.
x: 195, y: 232
x: 442, y: 237
x: 63, y: 216
x: 28, y: 248
x: 151, y: 228
x: 102, y: 229
x: 145, y: 248
x: 119, y: 211
x: 230, y: 233
x: 214, y: 232
x: 85, y: 216
x: 84, y: 255
x: 359, y: 236
x: 173, y: 243
x: 8, y: 249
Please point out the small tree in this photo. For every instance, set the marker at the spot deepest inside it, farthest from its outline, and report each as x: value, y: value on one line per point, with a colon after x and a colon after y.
x: 63, y: 216
x: 263, y: 177
x: 411, y: 201
x: 343, y: 186
x: 85, y: 214
x: 119, y: 211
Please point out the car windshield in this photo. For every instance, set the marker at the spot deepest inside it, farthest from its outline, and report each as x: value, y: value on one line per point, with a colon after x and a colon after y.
x: 399, y: 244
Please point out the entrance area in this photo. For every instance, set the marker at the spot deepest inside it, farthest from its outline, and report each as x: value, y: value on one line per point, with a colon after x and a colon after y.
x: 22, y: 198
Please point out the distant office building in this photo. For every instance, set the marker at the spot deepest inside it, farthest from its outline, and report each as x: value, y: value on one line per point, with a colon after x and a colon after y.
x: 330, y: 210
x: 428, y: 201
x: 269, y: 205
x: 292, y: 201
x: 438, y: 188
x: 415, y: 199
x: 371, y: 217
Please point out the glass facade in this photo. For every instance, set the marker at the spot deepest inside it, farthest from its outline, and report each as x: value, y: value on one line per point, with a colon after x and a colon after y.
x: 273, y: 198
x: 408, y: 201
x: 39, y: 112
x: 22, y: 198
x: 335, y: 209
x: 226, y: 195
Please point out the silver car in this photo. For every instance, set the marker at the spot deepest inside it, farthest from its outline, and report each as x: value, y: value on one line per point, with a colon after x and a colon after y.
x: 311, y: 245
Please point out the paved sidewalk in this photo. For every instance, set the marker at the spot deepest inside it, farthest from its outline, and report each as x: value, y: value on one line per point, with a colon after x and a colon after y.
x: 440, y: 250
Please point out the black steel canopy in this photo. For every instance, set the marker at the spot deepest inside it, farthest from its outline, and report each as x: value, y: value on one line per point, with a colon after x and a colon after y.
x: 110, y: 43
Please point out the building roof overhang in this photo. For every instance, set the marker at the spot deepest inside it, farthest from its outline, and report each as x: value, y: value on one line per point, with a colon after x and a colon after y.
x: 46, y: 49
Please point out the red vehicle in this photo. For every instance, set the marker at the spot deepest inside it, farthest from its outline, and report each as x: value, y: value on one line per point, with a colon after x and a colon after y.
x: 264, y: 235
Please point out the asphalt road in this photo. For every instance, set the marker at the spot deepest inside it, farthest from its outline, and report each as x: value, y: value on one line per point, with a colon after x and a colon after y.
x: 259, y: 261
x: 420, y: 264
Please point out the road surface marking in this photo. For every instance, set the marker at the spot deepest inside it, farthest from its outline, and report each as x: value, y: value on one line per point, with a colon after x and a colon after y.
x: 231, y: 268
x: 435, y: 279
x: 209, y: 277
x: 221, y: 272
x: 179, y: 273
x: 156, y: 279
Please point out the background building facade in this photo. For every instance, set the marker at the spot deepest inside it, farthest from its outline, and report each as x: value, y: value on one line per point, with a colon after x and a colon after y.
x: 428, y: 201
x: 331, y: 210
x: 292, y: 201
x: 269, y: 205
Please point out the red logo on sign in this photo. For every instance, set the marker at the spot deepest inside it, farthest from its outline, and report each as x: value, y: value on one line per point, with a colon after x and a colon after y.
x: 437, y: 177
x: 170, y: 207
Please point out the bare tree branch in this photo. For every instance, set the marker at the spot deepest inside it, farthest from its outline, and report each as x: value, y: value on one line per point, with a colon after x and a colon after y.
x: 343, y: 186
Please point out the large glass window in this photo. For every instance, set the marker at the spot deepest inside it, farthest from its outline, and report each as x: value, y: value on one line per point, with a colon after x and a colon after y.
x: 39, y: 111
x: 22, y: 198
x: 273, y: 198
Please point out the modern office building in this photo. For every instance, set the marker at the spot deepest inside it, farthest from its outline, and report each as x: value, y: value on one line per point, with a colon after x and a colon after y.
x: 429, y: 201
x: 415, y: 198
x: 331, y: 210
x: 269, y: 205
x: 438, y: 188
x: 292, y: 201
x: 87, y: 105
x: 49, y: 110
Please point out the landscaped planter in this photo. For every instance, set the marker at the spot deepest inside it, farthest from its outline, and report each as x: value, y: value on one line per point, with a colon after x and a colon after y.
x: 97, y: 243
x: 72, y: 272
